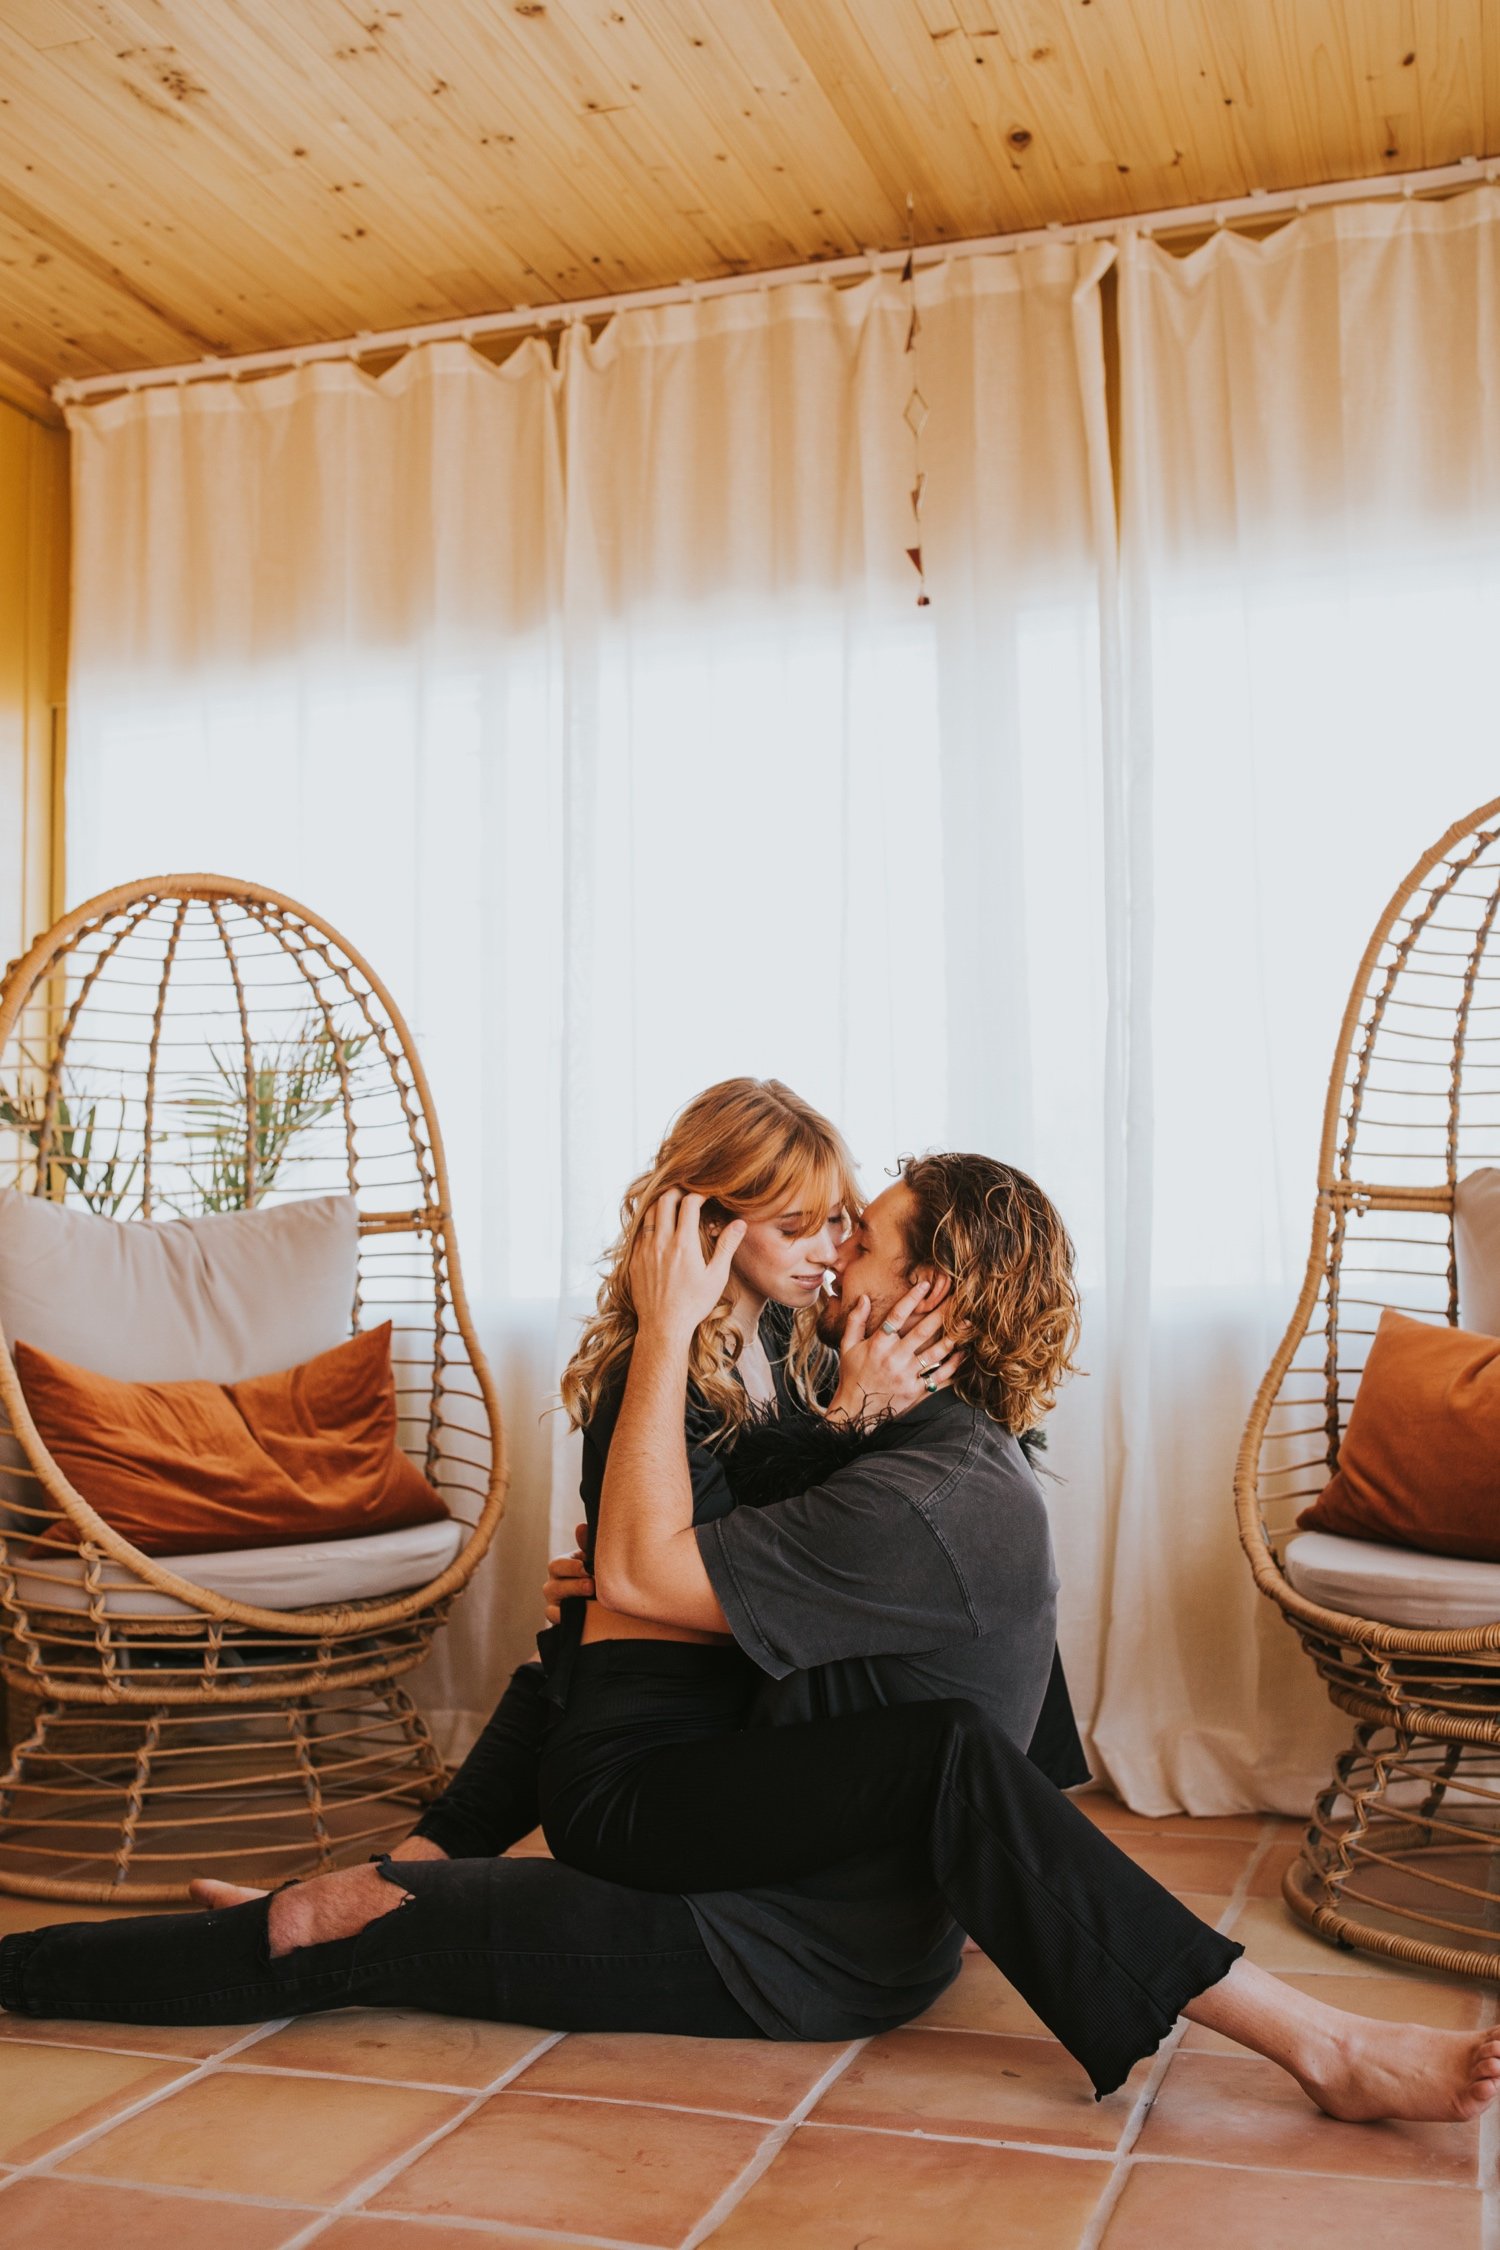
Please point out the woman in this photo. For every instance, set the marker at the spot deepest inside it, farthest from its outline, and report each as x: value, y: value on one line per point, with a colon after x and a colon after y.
x: 650, y: 1730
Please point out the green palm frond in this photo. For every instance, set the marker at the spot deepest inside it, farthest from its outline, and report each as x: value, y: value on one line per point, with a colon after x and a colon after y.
x: 75, y: 1147
x: 245, y: 1114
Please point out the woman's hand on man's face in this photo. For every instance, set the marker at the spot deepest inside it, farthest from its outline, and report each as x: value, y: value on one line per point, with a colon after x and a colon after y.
x: 673, y: 1287
x: 905, y: 1360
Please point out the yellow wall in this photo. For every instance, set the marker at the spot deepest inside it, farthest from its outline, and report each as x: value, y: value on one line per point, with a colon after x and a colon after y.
x: 33, y: 673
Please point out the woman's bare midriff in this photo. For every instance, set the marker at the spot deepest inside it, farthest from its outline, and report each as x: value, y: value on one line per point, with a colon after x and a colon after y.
x: 601, y: 1624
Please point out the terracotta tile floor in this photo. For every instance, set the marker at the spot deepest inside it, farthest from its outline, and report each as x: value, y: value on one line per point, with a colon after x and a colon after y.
x: 379, y: 2130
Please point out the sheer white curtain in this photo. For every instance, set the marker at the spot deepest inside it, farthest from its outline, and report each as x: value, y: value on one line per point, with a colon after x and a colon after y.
x: 1310, y: 471
x: 317, y: 626
x: 594, y: 702
x: 592, y: 699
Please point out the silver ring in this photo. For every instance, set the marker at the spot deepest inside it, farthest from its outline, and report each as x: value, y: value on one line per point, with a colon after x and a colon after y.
x: 889, y: 1328
x: 931, y: 1383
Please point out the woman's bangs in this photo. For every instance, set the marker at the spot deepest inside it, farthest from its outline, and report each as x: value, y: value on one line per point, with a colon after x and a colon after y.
x: 810, y: 1182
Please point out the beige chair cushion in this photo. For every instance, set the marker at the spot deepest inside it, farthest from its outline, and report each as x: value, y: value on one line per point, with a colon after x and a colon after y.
x: 309, y: 1576
x: 1393, y: 1585
x: 1476, y: 1237
x: 216, y: 1299
x: 1406, y: 1585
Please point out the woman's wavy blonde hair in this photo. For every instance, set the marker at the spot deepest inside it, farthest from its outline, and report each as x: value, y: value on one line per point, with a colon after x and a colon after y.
x: 753, y: 1150
x: 1009, y: 1262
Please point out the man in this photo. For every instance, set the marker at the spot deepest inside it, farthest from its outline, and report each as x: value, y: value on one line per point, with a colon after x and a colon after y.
x: 884, y: 1580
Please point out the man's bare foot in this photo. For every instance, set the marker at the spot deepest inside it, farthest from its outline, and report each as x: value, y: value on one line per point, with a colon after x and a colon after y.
x: 204, y: 1890
x: 1352, y: 2067
x: 329, y: 1906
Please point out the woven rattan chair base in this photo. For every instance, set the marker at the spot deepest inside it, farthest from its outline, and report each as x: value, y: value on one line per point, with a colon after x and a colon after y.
x: 103, y: 1807
x: 184, y: 1046
x: 1403, y: 1851
x: 1402, y: 1854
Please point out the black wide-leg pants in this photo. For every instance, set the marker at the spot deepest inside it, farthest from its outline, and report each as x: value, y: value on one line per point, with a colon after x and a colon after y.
x: 1106, y: 1957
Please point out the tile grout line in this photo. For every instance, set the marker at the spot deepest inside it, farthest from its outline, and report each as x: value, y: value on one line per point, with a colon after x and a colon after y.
x: 173, y: 2192
x: 417, y: 2223
x: 1239, y: 1897
x: 1104, y: 2210
x: 234, y: 2067
x: 770, y: 2148
x: 656, y: 2108
x: 323, y: 2213
x: 207, y: 2067
x: 1071, y: 2151
x: 1076, y: 2152
x: 382, y: 2177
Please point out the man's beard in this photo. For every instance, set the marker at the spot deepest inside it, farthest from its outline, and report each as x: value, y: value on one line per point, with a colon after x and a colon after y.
x: 833, y: 1316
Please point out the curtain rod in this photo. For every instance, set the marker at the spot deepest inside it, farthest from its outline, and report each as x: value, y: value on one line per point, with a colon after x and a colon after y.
x: 1259, y: 204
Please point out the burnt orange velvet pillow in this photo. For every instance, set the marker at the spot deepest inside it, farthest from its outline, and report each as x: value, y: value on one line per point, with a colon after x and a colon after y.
x: 196, y: 1468
x: 1420, y: 1461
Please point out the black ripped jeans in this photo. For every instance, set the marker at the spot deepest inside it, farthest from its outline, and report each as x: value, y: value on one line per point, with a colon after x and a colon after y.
x: 651, y: 1779
x: 513, y: 1940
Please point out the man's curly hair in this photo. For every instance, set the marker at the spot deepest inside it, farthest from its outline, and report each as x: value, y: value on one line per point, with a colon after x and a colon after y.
x: 1009, y: 1261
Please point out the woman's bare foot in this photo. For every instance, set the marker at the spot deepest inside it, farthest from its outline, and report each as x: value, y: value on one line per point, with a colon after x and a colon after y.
x: 204, y: 1890
x: 1368, y: 2070
x: 1352, y: 2067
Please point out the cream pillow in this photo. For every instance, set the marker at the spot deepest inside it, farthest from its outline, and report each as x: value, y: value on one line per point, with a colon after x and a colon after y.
x: 1476, y: 1238
x: 217, y: 1299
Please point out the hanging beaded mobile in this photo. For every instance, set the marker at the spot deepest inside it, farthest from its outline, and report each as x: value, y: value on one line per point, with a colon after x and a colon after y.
x: 914, y: 413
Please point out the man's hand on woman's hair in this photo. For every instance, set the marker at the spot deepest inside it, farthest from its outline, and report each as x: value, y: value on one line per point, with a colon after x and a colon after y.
x: 905, y: 1361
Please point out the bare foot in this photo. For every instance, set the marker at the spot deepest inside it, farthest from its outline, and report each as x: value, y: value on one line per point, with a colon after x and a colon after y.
x: 1367, y: 2070
x: 205, y: 1891
x: 329, y: 1906
x: 1353, y: 2067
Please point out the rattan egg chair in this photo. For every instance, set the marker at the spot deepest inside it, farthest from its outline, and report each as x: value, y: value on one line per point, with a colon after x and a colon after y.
x: 173, y: 1047
x: 1402, y: 1852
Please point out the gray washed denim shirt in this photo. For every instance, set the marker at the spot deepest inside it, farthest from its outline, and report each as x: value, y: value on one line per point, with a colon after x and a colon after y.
x: 923, y: 1568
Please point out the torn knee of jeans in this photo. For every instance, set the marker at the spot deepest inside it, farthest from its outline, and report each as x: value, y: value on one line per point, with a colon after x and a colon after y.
x: 390, y: 1872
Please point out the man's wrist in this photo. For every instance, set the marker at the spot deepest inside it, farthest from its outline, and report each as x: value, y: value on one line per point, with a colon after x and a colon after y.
x: 664, y: 1341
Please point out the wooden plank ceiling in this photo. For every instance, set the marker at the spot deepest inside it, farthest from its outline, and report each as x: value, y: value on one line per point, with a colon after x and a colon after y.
x: 180, y: 177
